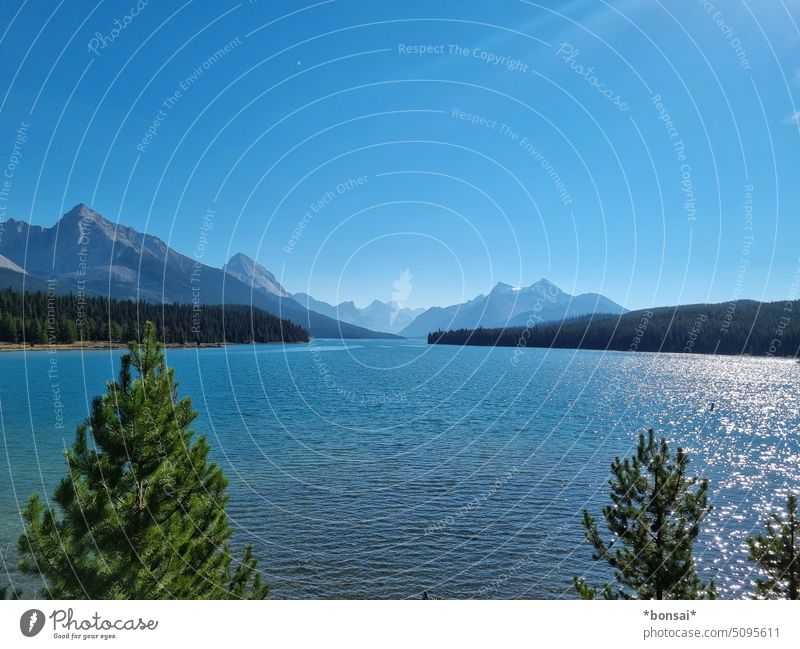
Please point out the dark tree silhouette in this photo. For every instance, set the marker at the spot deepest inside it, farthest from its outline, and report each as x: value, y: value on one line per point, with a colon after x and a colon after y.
x: 68, y: 318
x: 743, y: 327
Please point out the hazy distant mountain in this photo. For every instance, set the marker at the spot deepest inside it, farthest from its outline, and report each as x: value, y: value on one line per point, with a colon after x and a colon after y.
x: 84, y: 250
x: 253, y: 274
x: 379, y: 316
x: 508, y: 305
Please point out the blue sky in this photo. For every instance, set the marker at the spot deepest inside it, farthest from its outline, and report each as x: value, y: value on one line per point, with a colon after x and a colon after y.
x: 502, y: 141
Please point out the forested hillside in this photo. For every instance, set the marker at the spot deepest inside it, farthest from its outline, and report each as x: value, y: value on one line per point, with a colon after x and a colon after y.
x: 42, y: 318
x: 742, y: 327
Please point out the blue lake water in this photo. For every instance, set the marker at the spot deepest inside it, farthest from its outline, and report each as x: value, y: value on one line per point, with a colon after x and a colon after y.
x: 385, y: 468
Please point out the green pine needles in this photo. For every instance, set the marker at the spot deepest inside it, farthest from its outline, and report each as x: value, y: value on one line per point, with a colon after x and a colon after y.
x: 141, y: 513
x: 777, y: 554
x: 653, y: 520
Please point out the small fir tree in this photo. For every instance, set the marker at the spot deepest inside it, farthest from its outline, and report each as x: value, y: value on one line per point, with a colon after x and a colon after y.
x: 776, y: 554
x: 654, y: 520
x: 142, y: 510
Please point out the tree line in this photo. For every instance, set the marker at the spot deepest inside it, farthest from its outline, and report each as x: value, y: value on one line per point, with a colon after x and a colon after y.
x: 43, y: 318
x: 740, y: 327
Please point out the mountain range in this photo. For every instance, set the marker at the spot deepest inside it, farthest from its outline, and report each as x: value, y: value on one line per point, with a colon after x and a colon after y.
x: 511, y: 306
x: 85, y: 252
x: 377, y: 315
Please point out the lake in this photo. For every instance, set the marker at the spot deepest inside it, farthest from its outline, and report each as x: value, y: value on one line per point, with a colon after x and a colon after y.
x: 375, y: 469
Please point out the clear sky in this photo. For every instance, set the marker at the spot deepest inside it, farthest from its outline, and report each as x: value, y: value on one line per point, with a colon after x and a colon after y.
x: 607, y: 146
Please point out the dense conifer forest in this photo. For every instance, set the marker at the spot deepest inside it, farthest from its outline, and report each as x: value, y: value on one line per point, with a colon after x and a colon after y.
x: 740, y: 327
x: 45, y: 318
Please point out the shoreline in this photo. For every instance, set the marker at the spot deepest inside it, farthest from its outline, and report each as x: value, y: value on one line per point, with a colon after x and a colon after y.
x: 99, y: 345
x: 605, y: 350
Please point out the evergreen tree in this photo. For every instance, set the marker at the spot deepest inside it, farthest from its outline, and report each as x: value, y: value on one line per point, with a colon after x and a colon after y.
x: 142, y: 508
x: 4, y: 588
x: 750, y: 331
x: 778, y: 555
x: 109, y: 319
x: 16, y: 329
x: 33, y: 332
x: 41, y: 337
x: 654, y: 520
x: 67, y: 331
x: 7, y: 332
x: 8, y: 592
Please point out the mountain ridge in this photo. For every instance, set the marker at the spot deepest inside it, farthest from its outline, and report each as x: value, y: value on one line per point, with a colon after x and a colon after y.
x: 507, y: 305
x: 380, y: 316
x: 86, y: 253
x: 250, y: 271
